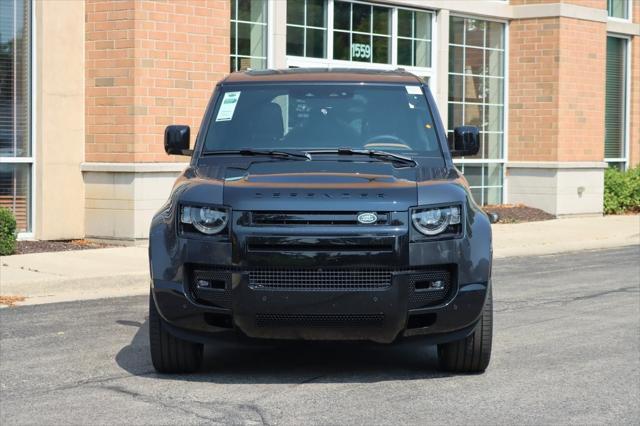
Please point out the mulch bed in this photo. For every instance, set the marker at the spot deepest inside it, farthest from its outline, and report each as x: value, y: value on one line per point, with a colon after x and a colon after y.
x: 11, y: 300
x: 516, y: 213
x: 24, y: 247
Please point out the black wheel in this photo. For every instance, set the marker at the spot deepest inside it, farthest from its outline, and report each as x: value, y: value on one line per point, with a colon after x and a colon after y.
x: 170, y: 354
x: 471, y: 354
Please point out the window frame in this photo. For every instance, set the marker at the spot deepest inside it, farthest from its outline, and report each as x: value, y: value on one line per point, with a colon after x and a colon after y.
x: 505, y: 113
x: 267, y: 34
x: 31, y: 159
x: 624, y: 160
x: 629, y: 11
x: 424, y: 72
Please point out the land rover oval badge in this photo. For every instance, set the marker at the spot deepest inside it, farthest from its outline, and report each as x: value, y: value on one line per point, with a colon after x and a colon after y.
x: 367, y: 218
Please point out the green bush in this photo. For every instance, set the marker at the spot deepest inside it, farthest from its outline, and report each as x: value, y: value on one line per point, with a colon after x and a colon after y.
x: 621, y: 190
x: 7, y: 232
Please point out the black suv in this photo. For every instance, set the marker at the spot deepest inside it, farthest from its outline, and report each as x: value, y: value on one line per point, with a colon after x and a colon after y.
x: 321, y: 204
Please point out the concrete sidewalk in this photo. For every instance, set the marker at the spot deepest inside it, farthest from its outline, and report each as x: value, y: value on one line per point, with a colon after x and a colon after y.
x: 124, y: 271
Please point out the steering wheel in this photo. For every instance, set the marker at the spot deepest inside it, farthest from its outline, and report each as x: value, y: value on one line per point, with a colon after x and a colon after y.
x: 392, y: 141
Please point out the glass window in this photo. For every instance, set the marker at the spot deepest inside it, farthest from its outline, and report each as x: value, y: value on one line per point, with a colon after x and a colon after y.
x: 15, y: 110
x: 615, y: 101
x: 414, y: 38
x: 248, y: 34
x: 618, y: 8
x: 323, y: 116
x: 361, y: 32
x: 307, y: 28
x: 476, y: 98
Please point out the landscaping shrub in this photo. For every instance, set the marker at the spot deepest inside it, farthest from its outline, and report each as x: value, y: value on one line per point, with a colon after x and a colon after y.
x: 621, y: 190
x: 7, y: 232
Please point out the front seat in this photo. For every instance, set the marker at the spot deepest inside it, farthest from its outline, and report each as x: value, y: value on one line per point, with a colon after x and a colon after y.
x: 267, y: 128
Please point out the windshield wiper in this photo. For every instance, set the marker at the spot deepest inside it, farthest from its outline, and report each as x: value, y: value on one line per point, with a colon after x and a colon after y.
x: 383, y: 155
x: 269, y: 153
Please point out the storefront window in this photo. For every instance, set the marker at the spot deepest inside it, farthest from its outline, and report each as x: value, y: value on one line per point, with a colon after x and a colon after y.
x: 361, y: 33
x: 248, y: 34
x: 618, y: 8
x: 332, y: 32
x: 414, y: 38
x: 15, y: 110
x: 307, y: 28
x: 615, y: 123
x: 476, y: 98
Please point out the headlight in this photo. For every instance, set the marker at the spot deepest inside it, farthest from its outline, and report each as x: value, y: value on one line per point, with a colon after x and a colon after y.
x: 433, y: 221
x: 208, y: 220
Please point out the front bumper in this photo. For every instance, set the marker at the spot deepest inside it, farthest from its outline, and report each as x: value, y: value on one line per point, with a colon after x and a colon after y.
x: 378, y: 314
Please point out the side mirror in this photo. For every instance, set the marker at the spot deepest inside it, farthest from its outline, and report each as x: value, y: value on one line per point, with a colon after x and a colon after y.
x: 466, y: 141
x: 176, y: 140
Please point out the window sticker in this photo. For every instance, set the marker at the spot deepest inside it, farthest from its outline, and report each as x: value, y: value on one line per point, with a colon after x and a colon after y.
x: 414, y: 90
x: 228, y: 106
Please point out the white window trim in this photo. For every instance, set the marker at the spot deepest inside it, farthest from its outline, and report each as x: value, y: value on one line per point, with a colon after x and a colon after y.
x: 627, y: 103
x: 629, y: 17
x: 269, y: 36
x: 301, y: 61
x: 505, y: 109
x: 29, y: 235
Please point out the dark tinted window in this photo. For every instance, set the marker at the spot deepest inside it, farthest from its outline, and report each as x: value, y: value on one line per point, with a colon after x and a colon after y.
x: 323, y: 116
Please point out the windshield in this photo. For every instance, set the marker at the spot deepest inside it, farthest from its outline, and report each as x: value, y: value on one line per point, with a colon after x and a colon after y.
x: 323, y: 116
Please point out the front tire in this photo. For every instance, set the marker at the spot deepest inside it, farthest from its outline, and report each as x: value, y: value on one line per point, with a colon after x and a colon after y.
x: 170, y: 354
x: 471, y: 354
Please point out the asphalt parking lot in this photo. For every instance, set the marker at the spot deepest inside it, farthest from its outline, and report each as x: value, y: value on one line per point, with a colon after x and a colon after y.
x: 566, y: 350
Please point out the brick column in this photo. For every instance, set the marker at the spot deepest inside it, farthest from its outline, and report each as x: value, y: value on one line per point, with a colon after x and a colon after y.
x: 556, y: 111
x: 148, y: 64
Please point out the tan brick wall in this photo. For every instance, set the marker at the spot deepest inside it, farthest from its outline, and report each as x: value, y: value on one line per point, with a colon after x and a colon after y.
x: 556, y: 90
x: 582, y: 90
x: 534, y: 55
x: 149, y: 64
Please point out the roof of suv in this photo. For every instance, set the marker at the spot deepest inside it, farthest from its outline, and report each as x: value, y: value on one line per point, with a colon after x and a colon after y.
x: 323, y: 75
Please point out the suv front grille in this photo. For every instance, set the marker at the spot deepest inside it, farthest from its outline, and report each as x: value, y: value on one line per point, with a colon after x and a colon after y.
x: 319, y: 320
x: 320, y: 280
x: 312, y: 218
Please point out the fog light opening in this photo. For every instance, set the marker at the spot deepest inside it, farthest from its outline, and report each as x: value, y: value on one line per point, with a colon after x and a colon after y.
x: 211, y: 284
x: 429, y: 285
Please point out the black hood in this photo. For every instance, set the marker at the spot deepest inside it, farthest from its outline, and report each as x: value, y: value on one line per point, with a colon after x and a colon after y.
x: 324, y: 185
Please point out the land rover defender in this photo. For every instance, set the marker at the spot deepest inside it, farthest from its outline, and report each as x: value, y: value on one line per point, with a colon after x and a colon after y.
x: 321, y: 205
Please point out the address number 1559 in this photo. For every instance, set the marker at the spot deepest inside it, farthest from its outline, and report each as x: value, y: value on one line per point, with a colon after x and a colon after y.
x: 359, y: 50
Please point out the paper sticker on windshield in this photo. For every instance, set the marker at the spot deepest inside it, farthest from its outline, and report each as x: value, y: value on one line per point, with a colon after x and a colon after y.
x: 228, y: 106
x: 414, y: 90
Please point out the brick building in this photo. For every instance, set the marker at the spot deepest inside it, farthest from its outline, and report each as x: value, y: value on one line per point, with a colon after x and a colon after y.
x: 87, y: 88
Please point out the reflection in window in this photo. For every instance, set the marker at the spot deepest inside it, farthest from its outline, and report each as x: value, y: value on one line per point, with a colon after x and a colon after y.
x: 15, y: 110
x: 307, y: 28
x: 362, y: 33
x: 248, y: 34
x: 15, y: 191
x: 618, y: 8
x: 476, y: 98
x: 414, y: 38
x: 615, y: 102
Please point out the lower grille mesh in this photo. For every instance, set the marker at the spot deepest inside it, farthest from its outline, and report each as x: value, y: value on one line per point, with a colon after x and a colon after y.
x: 428, y: 297
x: 319, y: 320
x: 320, y: 280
